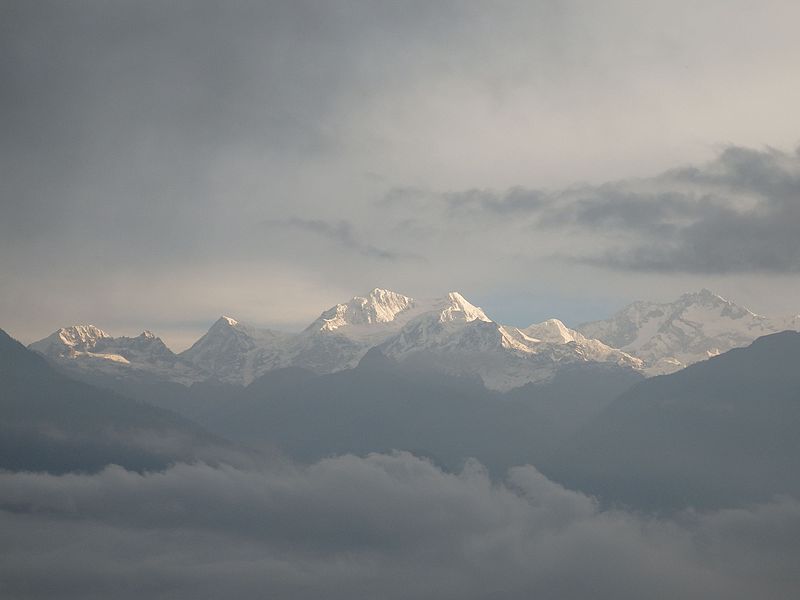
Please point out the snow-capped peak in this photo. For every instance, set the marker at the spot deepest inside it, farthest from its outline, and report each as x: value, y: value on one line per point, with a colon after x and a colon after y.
x: 671, y: 335
x: 707, y: 298
x: 80, y: 335
x: 456, y: 308
x: 225, y: 326
x: 75, y: 338
x: 379, y: 306
x: 551, y: 330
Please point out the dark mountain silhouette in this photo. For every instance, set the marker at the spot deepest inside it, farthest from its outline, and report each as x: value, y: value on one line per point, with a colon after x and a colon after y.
x: 724, y: 430
x: 381, y: 406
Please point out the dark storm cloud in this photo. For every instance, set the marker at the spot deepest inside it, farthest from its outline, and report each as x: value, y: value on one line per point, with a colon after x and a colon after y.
x: 391, y: 526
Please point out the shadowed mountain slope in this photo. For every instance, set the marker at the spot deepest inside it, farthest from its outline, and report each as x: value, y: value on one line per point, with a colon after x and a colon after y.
x: 727, y: 428
x: 382, y: 405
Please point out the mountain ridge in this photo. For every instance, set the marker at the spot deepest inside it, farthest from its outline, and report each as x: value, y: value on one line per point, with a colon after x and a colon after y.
x: 669, y: 336
x: 447, y: 332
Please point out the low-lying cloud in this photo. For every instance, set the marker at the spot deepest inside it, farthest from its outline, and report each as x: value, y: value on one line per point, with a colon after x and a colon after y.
x: 389, y: 526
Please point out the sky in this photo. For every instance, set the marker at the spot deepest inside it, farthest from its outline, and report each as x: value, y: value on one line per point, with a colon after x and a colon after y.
x: 162, y: 164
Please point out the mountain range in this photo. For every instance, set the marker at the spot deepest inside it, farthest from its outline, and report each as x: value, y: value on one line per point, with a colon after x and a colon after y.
x: 443, y: 380
x: 448, y: 334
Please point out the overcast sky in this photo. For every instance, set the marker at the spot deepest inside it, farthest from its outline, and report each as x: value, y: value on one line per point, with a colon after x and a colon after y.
x: 165, y: 163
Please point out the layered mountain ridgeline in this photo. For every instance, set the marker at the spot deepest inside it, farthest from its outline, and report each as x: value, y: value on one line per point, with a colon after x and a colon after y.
x: 384, y: 405
x: 442, y: 379
x: 723, y: 430
x: 720, y: 433
x: 53, y: 423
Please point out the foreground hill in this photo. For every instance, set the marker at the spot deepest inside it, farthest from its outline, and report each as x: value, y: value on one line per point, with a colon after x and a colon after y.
x: 727, y: 428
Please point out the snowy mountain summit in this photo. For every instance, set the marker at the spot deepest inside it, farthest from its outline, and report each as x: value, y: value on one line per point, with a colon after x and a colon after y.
x: 68, y: 341
x: 89, y: 349
x: 379, y: 306
x: 236, y: 353
x: 343, y: 334
x: 669, y: 336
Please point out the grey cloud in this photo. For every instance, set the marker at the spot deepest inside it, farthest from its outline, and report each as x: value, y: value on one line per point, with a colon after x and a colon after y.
x: 709, y: 233
x: 738, y: 214
x: 771, y: 174
x: 612, y: 208
x: 341, y: 232
x: 392, y: 526
x: 403, y: 196
x: 734, y: 243
x: 516, y: 201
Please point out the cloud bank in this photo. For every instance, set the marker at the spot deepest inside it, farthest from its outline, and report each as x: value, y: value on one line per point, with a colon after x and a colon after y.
x: 390, y: 526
